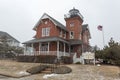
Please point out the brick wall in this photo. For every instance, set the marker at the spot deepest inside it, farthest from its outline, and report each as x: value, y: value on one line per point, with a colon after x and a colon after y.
x: 54, y: 31
x: 77, y: 28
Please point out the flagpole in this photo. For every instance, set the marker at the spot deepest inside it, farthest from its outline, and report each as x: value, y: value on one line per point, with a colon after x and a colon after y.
x: 101, y: 29
x: 103, y: 37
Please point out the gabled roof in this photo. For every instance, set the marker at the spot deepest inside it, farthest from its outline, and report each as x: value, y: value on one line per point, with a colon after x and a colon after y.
x: 9, y: 37
x: 58, y: 24
x: 86, y: 27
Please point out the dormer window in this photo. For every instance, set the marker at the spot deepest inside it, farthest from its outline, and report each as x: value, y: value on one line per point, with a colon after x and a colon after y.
x: 71, y: 24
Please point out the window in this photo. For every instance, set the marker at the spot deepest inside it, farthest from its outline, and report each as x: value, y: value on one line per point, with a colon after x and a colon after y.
x: 61, y: 33
x: 71, y: 24
x: 45, y: 32
x: 72, y: 48
x: 71, y: 35
x: 64, y: 34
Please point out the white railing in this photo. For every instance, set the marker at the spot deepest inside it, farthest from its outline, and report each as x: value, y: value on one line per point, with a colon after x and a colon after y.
x: 63, y: 53
x: 57, y: 53
x: 40, y: 53
x: 67, y: 54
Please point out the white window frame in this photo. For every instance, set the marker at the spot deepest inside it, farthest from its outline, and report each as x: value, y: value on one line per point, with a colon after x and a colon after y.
x: 45, y: 32
x: 61, y: 32
x: 64, y: 35
x: 71, y: 36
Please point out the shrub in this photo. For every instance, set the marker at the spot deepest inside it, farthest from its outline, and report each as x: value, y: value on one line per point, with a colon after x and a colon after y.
x: 66, y: 59
x: 77, y: 63
x: 37, y: 69
x: 62, y: 70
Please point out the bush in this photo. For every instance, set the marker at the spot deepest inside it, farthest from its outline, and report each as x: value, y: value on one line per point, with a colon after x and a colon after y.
x: 77, y: 63
x: 66, y: 59
x: 62, y: 70
x: 37, y: 69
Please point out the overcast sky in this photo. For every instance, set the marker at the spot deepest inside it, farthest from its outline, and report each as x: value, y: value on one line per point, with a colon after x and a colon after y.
x: 18, y: 17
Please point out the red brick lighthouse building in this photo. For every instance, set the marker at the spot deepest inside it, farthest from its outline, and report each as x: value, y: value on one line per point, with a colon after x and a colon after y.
x: 53, y: 38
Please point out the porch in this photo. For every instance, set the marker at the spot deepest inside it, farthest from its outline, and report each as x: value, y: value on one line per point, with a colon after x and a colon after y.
x: 47, y: 46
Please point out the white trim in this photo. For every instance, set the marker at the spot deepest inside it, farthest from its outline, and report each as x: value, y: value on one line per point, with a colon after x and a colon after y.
x: 61, y: 32
x: 48, y: 46
x: 44, y: 16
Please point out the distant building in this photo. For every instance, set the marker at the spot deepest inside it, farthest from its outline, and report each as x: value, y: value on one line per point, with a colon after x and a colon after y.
x: 11, y: 41
x: 53, y: 38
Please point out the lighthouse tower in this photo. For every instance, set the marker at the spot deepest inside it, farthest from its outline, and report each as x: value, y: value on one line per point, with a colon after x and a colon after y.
x: 74, y: 22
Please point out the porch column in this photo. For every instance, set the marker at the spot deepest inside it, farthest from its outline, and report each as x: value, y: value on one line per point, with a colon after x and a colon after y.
x: 32, y: 52
x: 64, y: 49
x: 58, y: 49
x: 69, y: 49
x: 39, y: 47
x: 48, y: 47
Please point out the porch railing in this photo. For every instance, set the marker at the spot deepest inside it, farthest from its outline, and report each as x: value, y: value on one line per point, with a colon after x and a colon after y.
x: 56, y: 53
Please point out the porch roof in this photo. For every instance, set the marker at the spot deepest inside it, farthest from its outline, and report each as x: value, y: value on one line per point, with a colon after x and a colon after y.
x: 75, y: 42
x: 47, y: 39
